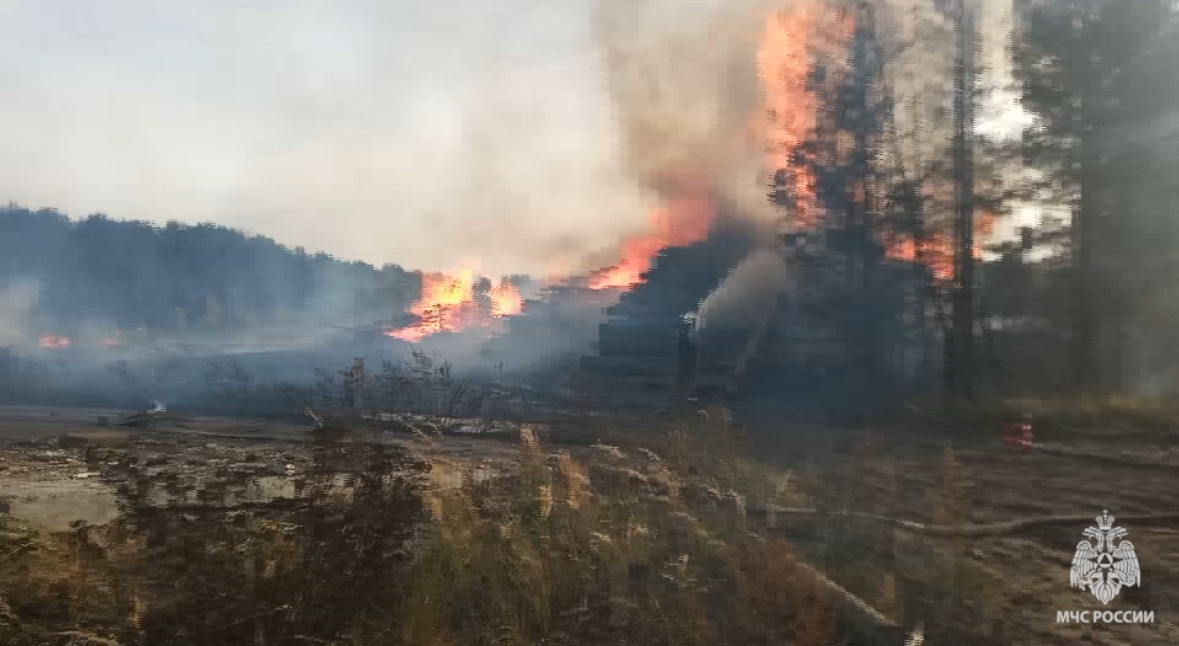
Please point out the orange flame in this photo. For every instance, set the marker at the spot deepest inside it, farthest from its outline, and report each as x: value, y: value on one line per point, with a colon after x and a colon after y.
x: 448, y: 304
x: 786, y: 121
x: 505, y: 299
x: 54, y: 341
x: 441, y: 307
x: 793, y: 42
x: 783, y: 64
x: 684, y: 218
x: 937, y: 252
x: 792, y: 39
x: 937, y: 249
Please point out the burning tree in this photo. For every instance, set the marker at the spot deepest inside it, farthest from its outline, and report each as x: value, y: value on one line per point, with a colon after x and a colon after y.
x: 452, y: 303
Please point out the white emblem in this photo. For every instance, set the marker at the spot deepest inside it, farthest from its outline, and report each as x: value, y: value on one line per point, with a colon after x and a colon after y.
x: 1104, y: 568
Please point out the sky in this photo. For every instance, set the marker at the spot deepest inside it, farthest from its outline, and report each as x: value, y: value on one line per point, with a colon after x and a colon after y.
x: 431, y: 135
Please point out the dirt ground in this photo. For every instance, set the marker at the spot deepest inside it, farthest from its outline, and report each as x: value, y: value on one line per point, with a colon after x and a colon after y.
x: 1032, y: 568
x: 908, y: 475
x: 51, y: 461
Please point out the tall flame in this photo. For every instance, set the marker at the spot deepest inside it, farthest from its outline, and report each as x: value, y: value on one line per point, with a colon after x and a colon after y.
x: 784, y: 122
x: 783, y: 65
x: 792, y: 39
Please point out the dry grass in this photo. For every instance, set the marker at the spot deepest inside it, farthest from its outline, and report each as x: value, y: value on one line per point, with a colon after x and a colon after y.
x: 604, y: 543
x: 617, y: 545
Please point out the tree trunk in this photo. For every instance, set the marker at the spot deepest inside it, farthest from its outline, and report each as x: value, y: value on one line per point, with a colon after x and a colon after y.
x: 962, y: 356
x: 1087, y: 315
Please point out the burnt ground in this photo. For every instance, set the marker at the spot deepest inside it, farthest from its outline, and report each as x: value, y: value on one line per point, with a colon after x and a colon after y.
x: 56, y: 465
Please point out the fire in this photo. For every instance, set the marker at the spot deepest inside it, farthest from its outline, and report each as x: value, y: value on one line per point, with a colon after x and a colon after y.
x: 637, y: 254
x: 791, y: 39
x: 54, y: 341
x: 449, y: 303
x: 683, y: 218
x: 444, y: 302
x: 505, y: 299
x: 785, y: 124
x: 937, y: 249
x: 795, y: 40
x: 937, y: 252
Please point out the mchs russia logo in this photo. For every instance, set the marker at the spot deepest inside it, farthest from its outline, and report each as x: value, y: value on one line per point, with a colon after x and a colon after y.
x: 1102, y: 566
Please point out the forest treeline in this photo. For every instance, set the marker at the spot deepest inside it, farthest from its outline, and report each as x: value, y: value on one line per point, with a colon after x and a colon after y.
x: 128, y: 274
x: 1085, y: 299
x: 1102, y: 80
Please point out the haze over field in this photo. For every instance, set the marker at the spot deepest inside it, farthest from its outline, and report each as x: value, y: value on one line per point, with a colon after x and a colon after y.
x: 416, y: 133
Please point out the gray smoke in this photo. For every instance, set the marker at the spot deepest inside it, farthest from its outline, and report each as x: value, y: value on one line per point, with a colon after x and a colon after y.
x: 683, y: 78
x: 18, y: 300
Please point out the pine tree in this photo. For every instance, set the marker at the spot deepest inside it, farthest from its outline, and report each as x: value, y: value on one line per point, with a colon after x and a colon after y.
x: 1091, y: 75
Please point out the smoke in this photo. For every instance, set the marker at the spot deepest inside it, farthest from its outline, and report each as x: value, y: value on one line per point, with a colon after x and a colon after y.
x: 421, y: 134
x: 683, y: 79
x: 524, y: 135
x: 17, y: 303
